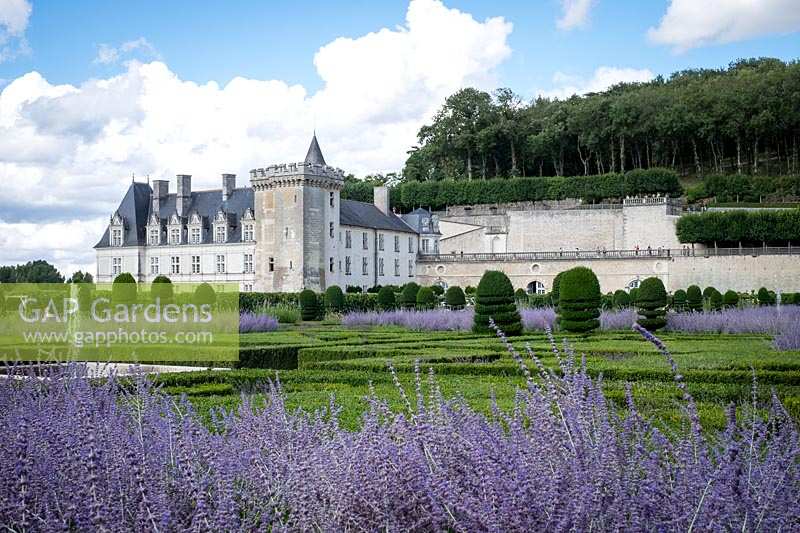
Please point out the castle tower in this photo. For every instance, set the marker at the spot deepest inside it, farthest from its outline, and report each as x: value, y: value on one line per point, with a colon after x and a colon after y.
x: 297, y: 224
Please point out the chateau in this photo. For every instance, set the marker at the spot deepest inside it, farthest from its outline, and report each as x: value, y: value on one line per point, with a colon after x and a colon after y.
x: 290, y: 230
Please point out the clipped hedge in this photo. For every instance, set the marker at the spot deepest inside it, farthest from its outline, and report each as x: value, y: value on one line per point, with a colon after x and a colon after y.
x: 679, y: 300
x: 579, y: 301
x: 309, y: 305
x: 426, y: 299
x: 334, y: 299
x: 730, y: 299
x: 124, y: 289
x: 408, y: 296
x: 440, y: 194
x: 694, y: 298
x: 494, y: 299
x: 161, y: 288
x: 621, y: 299
x: 455, y: 298
x: 750, y: 228
x: 652, y: 304
x: 386, y: 299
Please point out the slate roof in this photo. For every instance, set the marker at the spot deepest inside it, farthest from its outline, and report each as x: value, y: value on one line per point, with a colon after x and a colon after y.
x: 314, y: 154
x: 352, y: 213
x: 135, y: 208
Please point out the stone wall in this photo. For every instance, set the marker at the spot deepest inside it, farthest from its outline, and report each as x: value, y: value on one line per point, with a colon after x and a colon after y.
x: 740, y: 273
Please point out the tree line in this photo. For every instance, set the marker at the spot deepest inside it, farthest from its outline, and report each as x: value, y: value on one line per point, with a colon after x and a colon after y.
x: 740, y: 119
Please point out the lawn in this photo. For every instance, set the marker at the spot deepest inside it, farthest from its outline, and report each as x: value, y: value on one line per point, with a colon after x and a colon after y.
x: 315, y: 363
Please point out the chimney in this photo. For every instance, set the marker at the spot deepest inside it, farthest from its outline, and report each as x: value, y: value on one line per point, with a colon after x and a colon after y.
x: 381, y: 198
x: 183, y: 198
x: 228, y: 184
x: 160, y: 192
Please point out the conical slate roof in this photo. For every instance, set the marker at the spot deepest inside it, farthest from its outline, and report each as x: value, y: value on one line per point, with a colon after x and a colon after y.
x: 314, y: 154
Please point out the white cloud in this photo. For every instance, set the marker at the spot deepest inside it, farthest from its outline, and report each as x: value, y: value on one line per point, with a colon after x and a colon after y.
x: 690, y: 23
x: 566, y: 85
x: 14, y: 17
x: 141, y: 47
x: 575, y: 13
x: 67, y: 152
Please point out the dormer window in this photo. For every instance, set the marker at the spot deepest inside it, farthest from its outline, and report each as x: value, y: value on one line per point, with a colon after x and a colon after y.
x: 116, y: 228
x: 116, y: 237
x: 219, y: 233
x: 221, y: 227
x: 194, y: 235
x: 175, y: 236
x: 247, y: 233
x: 153, y: 237
x: 425, y: 224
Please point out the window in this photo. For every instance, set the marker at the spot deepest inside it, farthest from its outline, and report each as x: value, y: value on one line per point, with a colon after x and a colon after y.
x: 347, y: 266
x: 380, y: 241
x: 248, y: 263
x: 195, y: 236
x: 285, y: 233
x: 219, y: 234
x: 248, y: 233
x: 425, y: 245
x: 331, y: 199
x: 364, y: 266
x: 154, y: 265
x: 348, y: 241
x: 396, y: 267
x: 154, y: 236
x: 175, y: 263
x: 116, y: 265
x: 330, y: 265
x: 116, y: 237
x: 436, y: 246
x: 330, y: 229
x: 411, y: 245
x: 396, y: 243
x: 535, y: 287
x: 425, y: 225
x: 248, y: 287
x: 291, y: 265
x: 175, y: 236
x: 380, y: 266
x: 220, y: 264
x: 410, y: 268
x: 364, y: 241
x: 195, y: 264
x: 272, y: 264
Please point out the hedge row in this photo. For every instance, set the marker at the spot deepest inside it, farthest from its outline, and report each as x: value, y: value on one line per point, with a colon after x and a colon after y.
x: 744, y: 188
x: 747, y: 227
x: 440, y: 194
x: 255, y: 301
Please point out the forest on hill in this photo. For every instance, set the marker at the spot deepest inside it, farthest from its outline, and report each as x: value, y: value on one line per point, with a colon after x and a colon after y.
x: 744, y: 119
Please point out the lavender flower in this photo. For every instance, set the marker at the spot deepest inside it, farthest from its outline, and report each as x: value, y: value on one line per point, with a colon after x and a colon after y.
x: 251, y: 322
x: 432, y: 320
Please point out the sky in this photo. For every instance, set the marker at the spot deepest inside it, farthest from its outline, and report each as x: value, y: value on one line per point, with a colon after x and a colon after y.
x: 93, y: 93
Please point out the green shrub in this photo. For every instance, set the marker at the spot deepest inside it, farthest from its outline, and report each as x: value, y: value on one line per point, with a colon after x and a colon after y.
x: 730, y: 299
x: 579, y: 301
x: 707, y: 292
x: 652, y: 304
x: 454, y: 297
x: 204, y: 294
x: 694, y: 298
x: 426, y: 299
x: 634, y: 294
x: 161, y: 288
x: 469, y: 290
x: 621, y: 299
x: 286, y: 314
x: 408, y: 296
x: 353, y: 289
x: 386, y: 299
x: 554, y: 292
x: 494, y: 299
x: 764, y: 297
x: 309, y: 305
x: 540, y: 300
x: 520, y: 295
x: 730, y: 228
x: 123, y: 289
x: 715, y: 300
x: 438, y: 290
x: 334, y: 299
x: 679, y: 300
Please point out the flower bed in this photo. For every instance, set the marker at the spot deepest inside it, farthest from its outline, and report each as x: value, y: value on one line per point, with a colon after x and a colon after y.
x: 433, y: 320
x: 255, y: 322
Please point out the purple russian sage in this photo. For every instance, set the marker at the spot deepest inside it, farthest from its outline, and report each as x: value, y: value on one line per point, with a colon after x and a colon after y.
x: 120, y: 455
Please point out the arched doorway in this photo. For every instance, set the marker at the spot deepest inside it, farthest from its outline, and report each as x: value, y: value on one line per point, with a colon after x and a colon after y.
x: 536, y: 287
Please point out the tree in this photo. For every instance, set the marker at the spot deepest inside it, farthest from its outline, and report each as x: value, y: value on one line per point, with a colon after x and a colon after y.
x: 621, y: 299
x: 579, y: 301
x: 764, y: 297
x: 123, y: 289
x: 334, y: 299
x: 38, y: 271
x: 652, y: 304
x: 81, y: 277
x: 408, y: 296
x: 679, y: 300
x: 454, y: 297
x: 694, y: 298
x: 438, y: 290
x: 386, y: 299
x: 309, y: 305
x: 715, y: 300
x: 494, y: 300
x: 161, y: 288
x: 204, y: 294
x: 730, y: 299
x: 426, y: 299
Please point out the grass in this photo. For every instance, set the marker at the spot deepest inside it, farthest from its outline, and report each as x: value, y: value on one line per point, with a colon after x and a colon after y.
x: 326, y: 361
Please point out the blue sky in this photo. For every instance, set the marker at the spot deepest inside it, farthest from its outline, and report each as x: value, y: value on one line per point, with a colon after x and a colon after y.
x: 204, y: 41
x: 93, y: 92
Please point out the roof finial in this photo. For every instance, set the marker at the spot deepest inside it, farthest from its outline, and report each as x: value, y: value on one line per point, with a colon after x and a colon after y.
x: 133, y: 177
